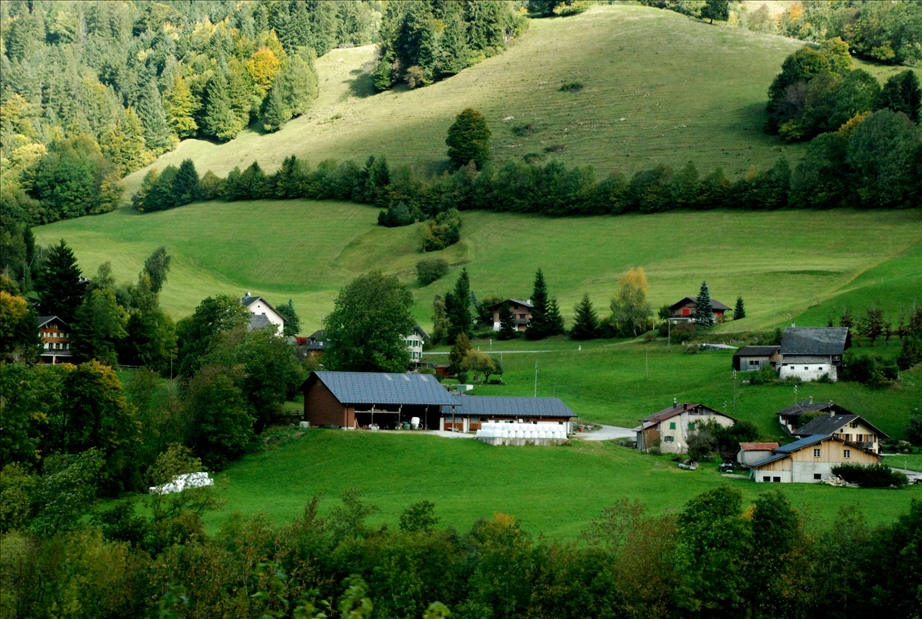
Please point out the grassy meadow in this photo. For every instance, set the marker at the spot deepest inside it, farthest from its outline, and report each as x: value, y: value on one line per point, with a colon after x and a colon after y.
x: 637, y: 65
x: 554, y: 491
x: 784, y: 264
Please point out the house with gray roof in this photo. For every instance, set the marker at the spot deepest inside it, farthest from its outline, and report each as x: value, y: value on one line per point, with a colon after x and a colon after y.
x: 799, y: 413
x: 684, y: 310
x: 385, y: 399
x: 754, y: 358
x: 812, y: 352
x: 810, y: 460
x: 474, y: 410
x: 845, y: 425
x: 521, y: 313
x: 263, y: 314
x: 55, y: 336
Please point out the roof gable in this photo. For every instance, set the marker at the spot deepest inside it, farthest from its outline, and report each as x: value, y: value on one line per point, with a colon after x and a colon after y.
x: 46, y: 320
x: 831, y: 424
x: 715, y: 304
x: 756, y: 351
x: 678, y: 409
x: 814, y: 341
x: 385, y: 388
x: 517, y: 301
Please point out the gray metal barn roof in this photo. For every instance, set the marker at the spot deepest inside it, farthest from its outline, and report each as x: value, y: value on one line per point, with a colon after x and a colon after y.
x: 385, y: 388
x: 757, y: 351
x: 511, y: 406
x: 829, y: 424
x: 814, y: 341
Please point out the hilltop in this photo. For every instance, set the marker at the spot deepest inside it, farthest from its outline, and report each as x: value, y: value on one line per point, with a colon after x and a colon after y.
x: 637, y: 67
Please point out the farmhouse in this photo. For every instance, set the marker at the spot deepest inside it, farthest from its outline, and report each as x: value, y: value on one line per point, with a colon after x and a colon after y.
x: 521, y: 312
x: 811, y: 352
x: 684, y: 310
x: 415, y: 342
x: 475, y: 410
x: 800, y: 413
x: 356, y: 399
x: 754, y: 358
x: 810, y: 460
x: 55, y: 336
x: 753, y: 452
x: 845, y: 425
x: 263, y: 313
x: 670, y: 427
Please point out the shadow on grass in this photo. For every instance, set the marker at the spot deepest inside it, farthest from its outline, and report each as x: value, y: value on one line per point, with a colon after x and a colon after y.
x: 363, y: 83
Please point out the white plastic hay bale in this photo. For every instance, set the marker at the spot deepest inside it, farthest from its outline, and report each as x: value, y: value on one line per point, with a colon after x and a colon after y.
x: 414, y: 422
x: 181, y: 482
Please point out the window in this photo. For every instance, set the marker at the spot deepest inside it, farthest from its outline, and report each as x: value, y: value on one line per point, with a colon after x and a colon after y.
x: 691, y: 425
x: 847, y: 453
x: 777, y: 479
x: 853, y: 424
x: 817, y: 476
x: 672, y: 425
x: 766, y: 478
x: 668, y: 439
x: 686, y: 312
x: 816, y: 453
x: 806, y: 367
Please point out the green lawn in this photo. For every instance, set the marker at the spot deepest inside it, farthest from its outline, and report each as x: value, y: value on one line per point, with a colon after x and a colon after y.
x: 553, y: 490
x: 912, y: 462
x: 638, y: 66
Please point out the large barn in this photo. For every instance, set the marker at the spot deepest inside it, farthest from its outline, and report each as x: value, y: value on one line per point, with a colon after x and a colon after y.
x: 474, y: 410
x: 359, y: 399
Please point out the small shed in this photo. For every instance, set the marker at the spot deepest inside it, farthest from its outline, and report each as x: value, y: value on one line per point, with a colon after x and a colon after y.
x: 753, y: 452
x: 474, y: 410
x: 754, y: 358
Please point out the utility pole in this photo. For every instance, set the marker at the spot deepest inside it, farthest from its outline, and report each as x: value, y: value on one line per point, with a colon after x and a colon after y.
x: 536, y: 379
x: 646, y: 352
x: 734, y: 389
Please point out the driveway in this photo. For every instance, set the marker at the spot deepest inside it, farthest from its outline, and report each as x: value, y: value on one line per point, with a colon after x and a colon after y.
x: 607, y: 433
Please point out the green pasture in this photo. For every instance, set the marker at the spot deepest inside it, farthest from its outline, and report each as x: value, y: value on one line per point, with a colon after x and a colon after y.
x: 617, y: 382
x: 785, y: 264
x: 658, y: 88
x: 911, y: 462
x: 552, y: 490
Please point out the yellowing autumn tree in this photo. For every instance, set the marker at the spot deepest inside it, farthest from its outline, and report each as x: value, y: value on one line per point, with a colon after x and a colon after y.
x: 630, y: 311
x: 263, y: 67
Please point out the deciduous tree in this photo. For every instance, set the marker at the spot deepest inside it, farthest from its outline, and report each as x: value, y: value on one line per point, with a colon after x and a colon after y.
x: 469, y: 139
x: 630, y: 311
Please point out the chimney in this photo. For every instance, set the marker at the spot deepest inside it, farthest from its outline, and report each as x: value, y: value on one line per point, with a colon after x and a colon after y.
x: 811, y: 399
x: 675, y: 402
x: 831, y: 413
x: 247, y: 294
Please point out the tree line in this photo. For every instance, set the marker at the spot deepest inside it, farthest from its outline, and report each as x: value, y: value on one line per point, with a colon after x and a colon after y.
x: 422, y: 42
x: 718, y: 556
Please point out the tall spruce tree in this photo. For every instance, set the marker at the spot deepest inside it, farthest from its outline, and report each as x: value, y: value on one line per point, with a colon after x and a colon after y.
x: 458, y: 308
x: 545, y: 315
x: 585, y: 321
x: 186, y: 183
x: 740, y: 310
x: 219, y: 119
x: 902, y: 93
x: 704, y: 312
x: 156, y: 127
x: 59, y: 287
x: 507, y: 330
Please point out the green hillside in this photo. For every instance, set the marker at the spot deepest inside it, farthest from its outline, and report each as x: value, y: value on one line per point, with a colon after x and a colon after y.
x: 555, y: 491
x: 782, y: 263
x: 638, y: 66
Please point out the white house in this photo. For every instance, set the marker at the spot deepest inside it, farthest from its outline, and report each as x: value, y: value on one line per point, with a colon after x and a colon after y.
x: 672, y: 426
x: 810, y: 353
x: 415, y: 342
x: 263, y: 313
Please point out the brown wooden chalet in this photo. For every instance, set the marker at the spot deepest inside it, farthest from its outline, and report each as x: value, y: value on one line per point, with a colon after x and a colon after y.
x: 684, y: 310
x: 359, y: 399
x: 521, y: 313
x: 55, y: 336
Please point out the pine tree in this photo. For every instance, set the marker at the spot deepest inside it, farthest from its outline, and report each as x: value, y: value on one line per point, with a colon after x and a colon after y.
x: 739, y: 311
x: 458, y: 307
x: 219, y: 120
x: 554, y: 319
x: 704, y: 311
x: 186, y: 183
x: 538, y: 326
x: 299, y: 82
x: 123, y: 143
x: 585, y: 321
x: 60, y: 291
x: 275, y: 112
x: 292, y: 320
x: 157, y: 134
x: 507, y: 330
x: 180, y: 106
x: 846, y: 320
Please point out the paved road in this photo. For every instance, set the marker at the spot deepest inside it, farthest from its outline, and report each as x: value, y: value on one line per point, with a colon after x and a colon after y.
x: 607, y: 433
x: 910, y: 474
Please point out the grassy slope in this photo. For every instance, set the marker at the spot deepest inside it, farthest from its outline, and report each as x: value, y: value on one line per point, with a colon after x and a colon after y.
x: 781, y: 263
x: 638, y: 66
x: 556, y: 491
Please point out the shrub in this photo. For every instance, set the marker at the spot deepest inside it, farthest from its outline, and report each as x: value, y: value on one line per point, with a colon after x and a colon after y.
x: 870, y: 476
x: 914, y: 430
x: 523, y: 130
x: 571, y: 87
x: 430, y: 269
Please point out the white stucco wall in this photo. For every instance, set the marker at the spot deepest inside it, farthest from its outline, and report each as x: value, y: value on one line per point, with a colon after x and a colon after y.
x: 261, y: 307
x: 808, y: 371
